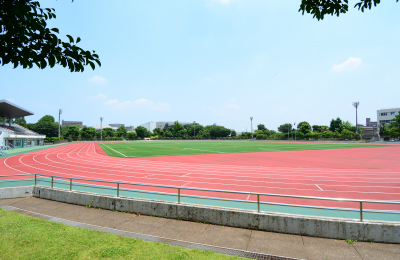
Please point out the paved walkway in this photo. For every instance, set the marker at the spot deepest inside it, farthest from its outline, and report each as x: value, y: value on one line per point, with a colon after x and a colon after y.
x: 292, y: 246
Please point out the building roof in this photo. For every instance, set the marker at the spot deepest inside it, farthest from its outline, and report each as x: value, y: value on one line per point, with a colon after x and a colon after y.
x: 8, y: 109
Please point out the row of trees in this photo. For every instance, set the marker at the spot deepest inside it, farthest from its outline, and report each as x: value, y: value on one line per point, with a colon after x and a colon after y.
x: 49, y: 127
x: 337, y: 129
x: 189, y: 131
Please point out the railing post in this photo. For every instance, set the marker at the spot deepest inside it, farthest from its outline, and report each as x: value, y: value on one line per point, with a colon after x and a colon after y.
x: 258, y: 202
x: 70, y: 184
x: 52, y: 185
x: 35, y: 180
x: 179, y: 196
x: 117, y: 189
x: 361, y: 211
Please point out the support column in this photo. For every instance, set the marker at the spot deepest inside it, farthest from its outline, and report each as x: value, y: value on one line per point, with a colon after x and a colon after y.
x: 9, y: 121
x: 4, y: 121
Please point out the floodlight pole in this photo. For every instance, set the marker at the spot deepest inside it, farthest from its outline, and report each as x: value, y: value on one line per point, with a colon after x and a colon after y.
x: 59, y: 126
x: 194, y: 128
x: 101, y: 128
x: 356, y: 104
x: 251, y: 119
x: 288, y: 130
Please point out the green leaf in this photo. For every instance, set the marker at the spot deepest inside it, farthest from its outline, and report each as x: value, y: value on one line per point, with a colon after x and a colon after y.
x: 78, y: 39
x: 71, y: 40
x: 55, y: 30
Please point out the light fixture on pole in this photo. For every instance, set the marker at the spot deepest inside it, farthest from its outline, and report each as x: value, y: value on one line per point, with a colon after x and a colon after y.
x: 59, y: 127
x: 194, y: 128
x: 356, y: 104
x: 251, y: 119
x: 101, y: 128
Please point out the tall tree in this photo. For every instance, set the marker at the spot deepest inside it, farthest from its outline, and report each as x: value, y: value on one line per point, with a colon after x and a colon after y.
x: 336, y: 125
x: 25, y: 39
x: 121, y: 131
x: 320, y: 8
x: 88, y: 132
x: 304, y: 127
x: 285, y: 128
x: 141, y: 132
x: 261, y: 127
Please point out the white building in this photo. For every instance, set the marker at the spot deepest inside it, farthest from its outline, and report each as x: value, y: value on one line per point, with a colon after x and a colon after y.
x: 14, y: 135
x: 150, y: 126
x: 386, y: 115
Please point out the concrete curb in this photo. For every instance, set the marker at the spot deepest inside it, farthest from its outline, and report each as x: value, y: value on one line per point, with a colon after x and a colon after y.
x: 16, y: 192
x: 280, y: 223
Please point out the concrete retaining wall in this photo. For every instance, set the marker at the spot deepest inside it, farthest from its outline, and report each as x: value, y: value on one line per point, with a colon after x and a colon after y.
x: 282, y: 223
x: 16, y: 192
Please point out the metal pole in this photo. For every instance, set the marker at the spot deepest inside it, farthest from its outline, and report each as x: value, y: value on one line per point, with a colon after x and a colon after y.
x: 179, y: 196
x: 356, y: 120
x: 59, y: 126
x: 101, y: 128
x: 117, y: 189
x: 194, y: 127
x: 35, y: 180
x: 251, y: 119
x: 52, y: 178
x: 70, y: 184
x: 288, y: 128
x: 258, y: 202
x: 361, y: 211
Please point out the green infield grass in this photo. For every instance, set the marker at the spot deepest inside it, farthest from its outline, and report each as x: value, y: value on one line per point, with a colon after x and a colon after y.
x: 25, y: 237
x: 150, y: 149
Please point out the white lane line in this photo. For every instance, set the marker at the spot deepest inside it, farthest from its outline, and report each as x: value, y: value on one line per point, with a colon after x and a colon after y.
x: 186, y: 174
x: 203, y: 150
x: 248, y: 197
x: 117, y: 151
x: 318, y: 187
x: 186, y: 184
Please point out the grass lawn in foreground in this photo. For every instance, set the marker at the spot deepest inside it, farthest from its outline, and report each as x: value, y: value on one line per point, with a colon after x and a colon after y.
x: 25, y: 237
x: 149, y: 149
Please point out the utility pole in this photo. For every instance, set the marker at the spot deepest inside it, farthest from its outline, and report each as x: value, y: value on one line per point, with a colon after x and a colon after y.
x: 59, y: 127
x: 356, y: 104
x: 251, y: 119
x: 194, y: 128
x: 288, y: 130
x: 101, y: 128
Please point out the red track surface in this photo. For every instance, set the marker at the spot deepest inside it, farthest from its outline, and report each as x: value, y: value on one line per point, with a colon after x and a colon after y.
x: 356, y: 173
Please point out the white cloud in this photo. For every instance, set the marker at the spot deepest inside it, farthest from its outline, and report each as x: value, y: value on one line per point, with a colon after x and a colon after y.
x: 98, y: 80
x: 99, y: 96
x: 349, y: 65
x: 112, y: 102
x: 140, y: 103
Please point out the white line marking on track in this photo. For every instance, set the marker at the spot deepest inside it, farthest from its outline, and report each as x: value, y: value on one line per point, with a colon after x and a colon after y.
x: 318, y: 187
x: 186, y: 184
x: 248, y: 197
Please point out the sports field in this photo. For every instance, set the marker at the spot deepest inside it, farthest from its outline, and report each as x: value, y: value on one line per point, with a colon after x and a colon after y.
x: 349, y: 171
x: 150, y: 149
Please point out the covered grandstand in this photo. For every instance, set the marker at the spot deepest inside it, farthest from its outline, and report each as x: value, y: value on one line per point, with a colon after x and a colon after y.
x: 13, y: 135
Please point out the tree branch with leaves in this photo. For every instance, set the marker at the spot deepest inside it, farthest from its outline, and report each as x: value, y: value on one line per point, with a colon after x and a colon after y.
x: 25, y: 39
x: 320, y: 8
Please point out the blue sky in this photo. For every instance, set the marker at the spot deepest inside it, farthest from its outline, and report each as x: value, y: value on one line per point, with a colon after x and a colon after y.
x: 216, y: 61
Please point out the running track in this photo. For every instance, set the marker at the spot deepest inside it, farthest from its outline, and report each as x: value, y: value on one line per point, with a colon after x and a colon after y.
x: 356, y: 173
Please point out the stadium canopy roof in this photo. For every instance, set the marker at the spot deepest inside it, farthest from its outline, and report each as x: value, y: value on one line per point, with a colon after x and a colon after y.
x: 10, y: 110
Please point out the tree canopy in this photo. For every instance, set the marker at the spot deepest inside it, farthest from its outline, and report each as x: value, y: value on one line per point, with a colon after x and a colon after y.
x: 320, y: 8
x: 25, y: 39
x: 285, y: 128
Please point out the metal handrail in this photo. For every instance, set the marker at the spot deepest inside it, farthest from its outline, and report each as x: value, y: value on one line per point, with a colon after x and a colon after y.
x: 220, y: 191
